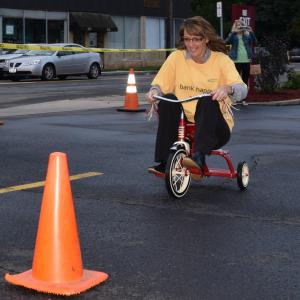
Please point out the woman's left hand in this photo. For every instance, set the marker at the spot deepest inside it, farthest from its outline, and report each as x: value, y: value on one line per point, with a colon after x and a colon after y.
x: 220, y: 93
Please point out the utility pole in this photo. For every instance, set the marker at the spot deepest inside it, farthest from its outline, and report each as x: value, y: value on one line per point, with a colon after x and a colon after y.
x: 220, y: 15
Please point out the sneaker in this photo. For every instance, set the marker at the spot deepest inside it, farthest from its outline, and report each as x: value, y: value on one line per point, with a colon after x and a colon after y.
x: 159, y: 169
x: 197, y: 161
x: 244, y: 103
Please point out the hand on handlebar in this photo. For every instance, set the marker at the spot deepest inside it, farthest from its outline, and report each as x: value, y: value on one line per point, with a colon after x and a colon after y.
x: 220, y: 93
x: 150, y: 96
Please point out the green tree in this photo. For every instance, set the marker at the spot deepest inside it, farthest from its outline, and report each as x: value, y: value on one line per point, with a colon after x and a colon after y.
x: 294, y: 29
x: 208, y: 10
x: 273, y: 17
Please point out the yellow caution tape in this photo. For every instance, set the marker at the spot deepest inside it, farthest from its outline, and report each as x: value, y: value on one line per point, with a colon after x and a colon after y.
x: 77, y: 49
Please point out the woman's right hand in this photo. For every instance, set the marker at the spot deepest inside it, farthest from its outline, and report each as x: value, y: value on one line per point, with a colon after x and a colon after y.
x: 150, y: 95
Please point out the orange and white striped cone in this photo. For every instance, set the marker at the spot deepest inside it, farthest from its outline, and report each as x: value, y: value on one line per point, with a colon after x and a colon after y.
x: 131, y: 103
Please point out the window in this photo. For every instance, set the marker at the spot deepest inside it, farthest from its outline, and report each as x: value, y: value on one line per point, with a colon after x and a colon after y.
x: 155, y: 33
x: 132, y: 33
x: 177, y: 25
x: 35, y: 31
x: 12, y: 31
x: 55, y: 31
x: 77, y: 46
x: 64, y: 53
x: 128, y: 34
x: 29, y: 26
x: 116, y: 39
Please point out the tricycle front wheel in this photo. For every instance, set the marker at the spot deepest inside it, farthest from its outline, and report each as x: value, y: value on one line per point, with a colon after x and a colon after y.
x: 177, y: 177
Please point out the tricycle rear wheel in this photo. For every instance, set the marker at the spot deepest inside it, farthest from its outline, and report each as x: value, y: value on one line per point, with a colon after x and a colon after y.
x: 242, y: 175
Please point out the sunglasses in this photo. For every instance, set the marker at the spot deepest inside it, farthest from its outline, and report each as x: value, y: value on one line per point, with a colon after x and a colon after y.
x: 195, y: 39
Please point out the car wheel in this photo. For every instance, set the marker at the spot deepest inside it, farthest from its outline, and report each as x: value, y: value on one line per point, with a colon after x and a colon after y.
x: 94, y: 71
x: 48, y: 72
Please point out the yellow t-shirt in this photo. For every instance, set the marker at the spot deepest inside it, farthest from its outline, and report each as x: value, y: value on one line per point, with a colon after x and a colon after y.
x: 185, y: 78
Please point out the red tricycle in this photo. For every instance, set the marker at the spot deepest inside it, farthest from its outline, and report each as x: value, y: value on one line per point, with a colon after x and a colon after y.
x: 178, y: 177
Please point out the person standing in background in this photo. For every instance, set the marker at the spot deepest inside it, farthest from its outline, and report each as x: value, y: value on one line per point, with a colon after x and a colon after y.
x: 241, y: 39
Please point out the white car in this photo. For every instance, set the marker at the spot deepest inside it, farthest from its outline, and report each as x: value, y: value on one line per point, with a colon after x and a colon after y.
x: 294, y: 55
x: 11, y: 55
x: 47, y: 65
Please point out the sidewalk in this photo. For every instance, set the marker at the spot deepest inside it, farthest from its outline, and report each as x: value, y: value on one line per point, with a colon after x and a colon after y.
x: 116, y: 73
x: 68, y: 105
x: 95, y: 103
x: 277, y: 103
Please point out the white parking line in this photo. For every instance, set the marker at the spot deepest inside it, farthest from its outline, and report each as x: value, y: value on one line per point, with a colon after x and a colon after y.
x: 10, y: 83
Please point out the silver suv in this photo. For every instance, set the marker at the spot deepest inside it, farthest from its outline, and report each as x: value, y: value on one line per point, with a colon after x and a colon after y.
x: 50, y: 64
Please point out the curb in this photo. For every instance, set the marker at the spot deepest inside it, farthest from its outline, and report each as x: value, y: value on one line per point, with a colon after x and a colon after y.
x: 277, y: 103
x: 116, y: 73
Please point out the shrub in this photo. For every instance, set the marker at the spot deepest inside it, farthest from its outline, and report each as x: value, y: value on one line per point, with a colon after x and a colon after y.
x: 273, y: 59
x: 293, y: 80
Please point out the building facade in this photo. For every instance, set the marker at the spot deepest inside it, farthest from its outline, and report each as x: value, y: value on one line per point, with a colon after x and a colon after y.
x: 114, y: 24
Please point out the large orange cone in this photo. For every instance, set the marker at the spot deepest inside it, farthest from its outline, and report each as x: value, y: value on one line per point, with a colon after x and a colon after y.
x: 57, y: 265
x: 131, y: 103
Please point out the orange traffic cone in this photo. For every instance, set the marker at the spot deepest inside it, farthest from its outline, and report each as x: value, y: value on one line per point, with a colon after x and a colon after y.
x: 131, y: 98
x: 57, y: 265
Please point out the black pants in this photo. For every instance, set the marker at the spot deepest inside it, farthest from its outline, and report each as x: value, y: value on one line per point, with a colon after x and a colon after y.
x: 212, y: 131
x: 244, y: 70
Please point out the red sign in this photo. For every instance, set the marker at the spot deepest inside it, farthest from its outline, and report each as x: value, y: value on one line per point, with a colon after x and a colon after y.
x: 245, y: 13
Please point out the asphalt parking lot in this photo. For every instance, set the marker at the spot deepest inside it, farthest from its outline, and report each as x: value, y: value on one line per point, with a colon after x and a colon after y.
x: 217, y: 243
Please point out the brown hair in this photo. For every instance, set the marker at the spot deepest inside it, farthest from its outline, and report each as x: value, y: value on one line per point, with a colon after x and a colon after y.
x: 200, y: 27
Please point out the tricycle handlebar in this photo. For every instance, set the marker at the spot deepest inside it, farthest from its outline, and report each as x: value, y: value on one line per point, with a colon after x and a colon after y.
x: 181, y: 100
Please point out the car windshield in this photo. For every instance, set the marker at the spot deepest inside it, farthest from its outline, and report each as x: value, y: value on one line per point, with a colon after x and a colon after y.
x: 295, y: 50
x: 20, y: 51
x: 7, y: 51
x: 39, y: 53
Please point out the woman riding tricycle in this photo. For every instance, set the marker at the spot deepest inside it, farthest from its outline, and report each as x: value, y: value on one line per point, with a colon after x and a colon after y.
x: 200, y: 65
